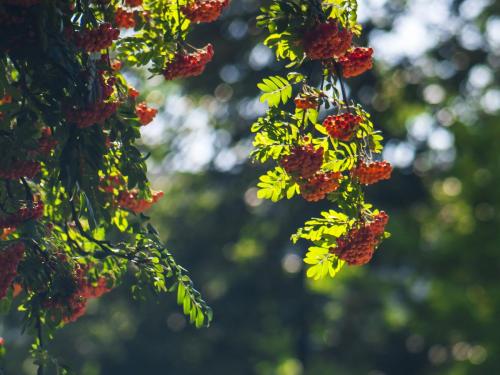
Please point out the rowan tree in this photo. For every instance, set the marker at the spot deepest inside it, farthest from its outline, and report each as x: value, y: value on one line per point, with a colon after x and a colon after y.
x: 74, y: 189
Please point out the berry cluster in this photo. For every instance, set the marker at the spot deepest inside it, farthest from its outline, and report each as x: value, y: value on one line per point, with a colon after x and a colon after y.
x: 146, y: 114
x: 188, y: 64
x: 46, y: 143
x: 133, y: 3
x: 5, y: 232
x: 107, y: 85
x: 356, y: 61
x: 10, y: 257
x: 318, y: 186
x: 124, y: 18
x: 96, y: 114
x: 204, y: 10
x: 370, y: 173
x: 6, y: 99
x: 303, y: 161
x: 72, y: 306
x: 116, y: 65
x: 343, y: 126
x: 98, y: 39
x: 327, y: 40
x: 23, y: 214
x: 132, y: 93
x: 111, y: 183
x: 358, y: 245
x: 19, y: 169
x: 306, y: 102
x: 130, y: 200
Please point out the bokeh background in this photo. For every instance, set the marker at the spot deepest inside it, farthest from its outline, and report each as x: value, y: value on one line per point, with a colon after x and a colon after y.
x: 429, y: 302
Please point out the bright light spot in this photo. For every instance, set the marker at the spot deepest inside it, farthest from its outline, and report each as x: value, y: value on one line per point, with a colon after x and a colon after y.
x: 470, y: 37
x: 251, y: 198
x: 493, y: 32
x: 260, y: 57
x: 230, y: 73
x: 291, y: 263
x: 441, y: 139
x: 420, y: 127
x: 434, y: 94
x: 452, y: 186
x: 400, y: 154
x: 491, y: 101
x: 237, y: 29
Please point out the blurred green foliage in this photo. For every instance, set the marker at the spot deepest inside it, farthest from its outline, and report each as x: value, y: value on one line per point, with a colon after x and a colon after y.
x: 429, y: 301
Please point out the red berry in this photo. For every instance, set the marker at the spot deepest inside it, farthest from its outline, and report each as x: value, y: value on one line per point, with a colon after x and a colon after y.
x: 10, y: 257
x: 124, y: 18
x: 306, y: 102
x: 19, y: 169
x: 356, y: 61
x: 133, y: 3
x: 326, y: 41
x: 188, y: 64
x: 303, y: 161
x: 358, y: 245
x: 320, y: 185
x: 95, y: 40
x: 373, y: 172
x: 343, y: 126
x: 95, y: 114
x: 23, y: 214
x: 130, y: 200
x: 133, y: 93
x: 145, y: 113
x: 204, y: 10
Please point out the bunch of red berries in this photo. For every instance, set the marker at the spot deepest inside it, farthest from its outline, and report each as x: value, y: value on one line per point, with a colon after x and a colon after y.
x: 132, y: 93
x: 96, y: 39
x: 327, y: 40
x: 19, y: 169
x: 72, y: 306
x: 146, y: 114
x: 133, y: 3
x: 370, y: 173
x: 358, y: 245
x: 111, y: 183
x: 204, y: 10
x: 356, y: 61
x: 303, y: 161
x: 96, y: 114
x: 46, y: 143
x: 25, y: 213
x: 124, y: 18
x: 343, y: 126
x: 318, y: 186
x: 5, y: 232
x: 10, y: 257
x: 188, y: 64
x: 107, y: 85
x: 130, y: 200
x: 306, y: 102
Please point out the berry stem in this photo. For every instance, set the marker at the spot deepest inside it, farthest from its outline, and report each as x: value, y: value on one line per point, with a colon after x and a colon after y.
x: 342, y: 86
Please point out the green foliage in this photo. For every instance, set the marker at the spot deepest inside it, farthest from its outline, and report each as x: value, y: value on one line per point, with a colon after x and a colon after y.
x: 276, y: 90
x: 55, y: 96
x: 281, y: 134
x: 276, y: 185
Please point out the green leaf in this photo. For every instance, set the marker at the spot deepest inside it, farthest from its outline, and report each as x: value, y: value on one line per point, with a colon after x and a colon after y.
x: 273, y: 185
x: 276, y: 90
